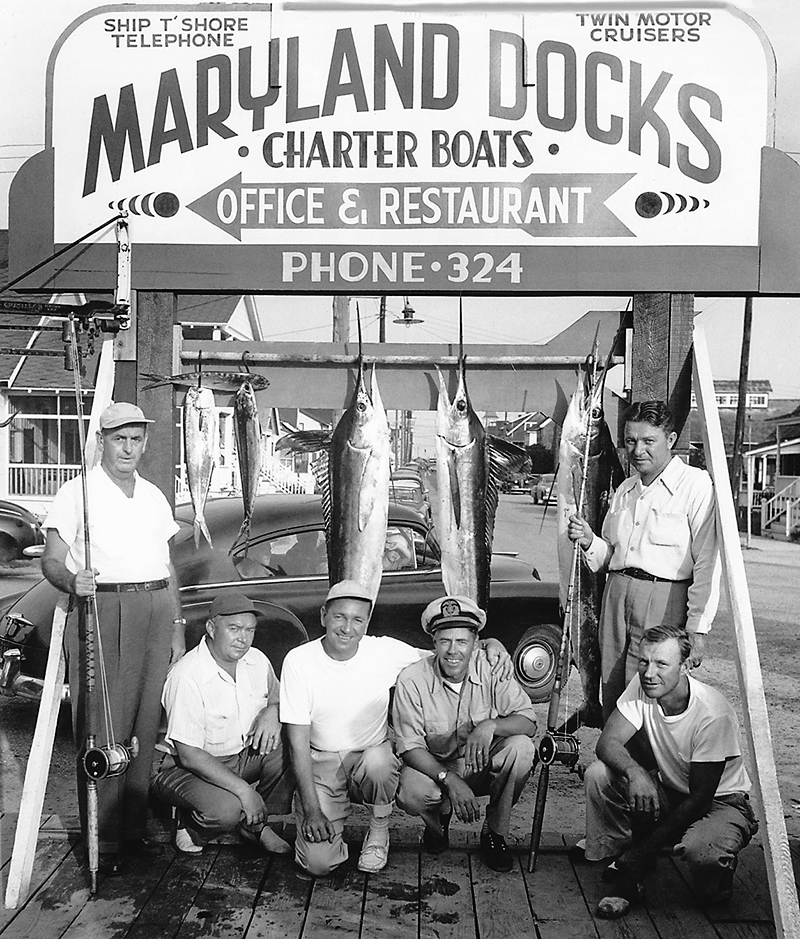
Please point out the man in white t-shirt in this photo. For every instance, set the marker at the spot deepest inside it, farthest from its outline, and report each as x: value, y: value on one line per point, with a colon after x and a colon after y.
x: 334, y: 704
x: 224, y: 735
x: 139, y: 621
x: 695, y: 802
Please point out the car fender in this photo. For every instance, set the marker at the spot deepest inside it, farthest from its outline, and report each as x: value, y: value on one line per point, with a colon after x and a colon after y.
x: 277, y: 629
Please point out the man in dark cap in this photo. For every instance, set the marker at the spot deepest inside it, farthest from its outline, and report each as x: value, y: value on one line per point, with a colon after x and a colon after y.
x: 461, y: 733
x: 224, y: 735
x: 139, y: 621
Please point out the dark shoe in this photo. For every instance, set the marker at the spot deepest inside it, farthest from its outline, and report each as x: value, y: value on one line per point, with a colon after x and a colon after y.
x: 495, y: 853
x: 143, y: 847
x: 433, y: 841
x: 626, y: 894
x: 110, y: 865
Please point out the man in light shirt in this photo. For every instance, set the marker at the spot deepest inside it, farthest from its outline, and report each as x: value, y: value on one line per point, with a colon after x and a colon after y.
x: 227, y: 765
x: 138, y: 617
x: 659, y: 546
x: 696, y: 800
x: 334, y: 704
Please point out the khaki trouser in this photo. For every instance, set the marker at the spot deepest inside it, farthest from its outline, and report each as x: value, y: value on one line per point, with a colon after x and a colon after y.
x: 629, y: 608
x: 510, y: 762
x: 368, y: 777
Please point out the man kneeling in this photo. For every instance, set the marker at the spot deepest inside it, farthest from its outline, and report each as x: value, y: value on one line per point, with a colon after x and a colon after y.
x: 222, y: 702
x: 461, y: 732
x: 696, y: 800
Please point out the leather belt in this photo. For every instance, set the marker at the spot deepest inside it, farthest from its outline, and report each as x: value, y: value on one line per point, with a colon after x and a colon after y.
x: 132, y: 588
x: 638, y: 574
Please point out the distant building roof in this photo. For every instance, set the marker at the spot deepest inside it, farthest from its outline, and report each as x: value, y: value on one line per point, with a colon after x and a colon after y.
x: 210, y: 309
x: 731, y: 386
x: 786, y: 418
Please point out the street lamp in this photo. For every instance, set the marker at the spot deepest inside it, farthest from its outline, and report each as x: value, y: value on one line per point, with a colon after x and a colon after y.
x: 408, y: 318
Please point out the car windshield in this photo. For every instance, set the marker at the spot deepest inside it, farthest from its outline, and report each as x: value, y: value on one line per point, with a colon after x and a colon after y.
x: 303, y: 554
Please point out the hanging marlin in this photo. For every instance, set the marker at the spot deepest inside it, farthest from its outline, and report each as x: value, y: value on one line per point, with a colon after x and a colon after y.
x: 353, y: 475
x: 470, y: 464
x: 602, y: 474
x: 199, y: 441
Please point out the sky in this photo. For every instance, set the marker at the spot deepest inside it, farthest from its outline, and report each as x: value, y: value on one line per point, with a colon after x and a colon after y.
x: 31, y: 28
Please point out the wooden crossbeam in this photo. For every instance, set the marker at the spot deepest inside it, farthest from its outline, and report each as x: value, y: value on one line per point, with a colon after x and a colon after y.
x: 779, y: 863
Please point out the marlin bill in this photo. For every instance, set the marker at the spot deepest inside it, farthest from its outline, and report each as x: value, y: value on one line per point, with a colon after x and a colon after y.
x: 199, y: 442
x: 353, y: 475
x: 469, y: 465
x: 603, y: 474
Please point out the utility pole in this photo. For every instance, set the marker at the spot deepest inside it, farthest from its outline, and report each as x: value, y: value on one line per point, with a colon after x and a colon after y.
x: 382, y: 319
x: 341, y: 318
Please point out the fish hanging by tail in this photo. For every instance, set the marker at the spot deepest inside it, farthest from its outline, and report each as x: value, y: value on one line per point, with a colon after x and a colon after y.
x: 247, y: 432
x: 353, y: 476
x: 199, y: 441
x: 603, y: 474
x: 470, y: 464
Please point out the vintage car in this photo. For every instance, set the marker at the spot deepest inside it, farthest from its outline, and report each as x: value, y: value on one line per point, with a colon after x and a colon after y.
x: 544, y: 490
x: 407, y: 487
x: 19, y: 529
x: 284, y: 571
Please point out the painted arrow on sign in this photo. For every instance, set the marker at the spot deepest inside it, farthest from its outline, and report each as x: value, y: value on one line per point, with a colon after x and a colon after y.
x: 546, y: 205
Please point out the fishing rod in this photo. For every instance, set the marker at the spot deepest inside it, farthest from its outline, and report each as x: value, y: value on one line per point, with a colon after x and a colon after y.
x: 113, y: 759
x: 557, y: 746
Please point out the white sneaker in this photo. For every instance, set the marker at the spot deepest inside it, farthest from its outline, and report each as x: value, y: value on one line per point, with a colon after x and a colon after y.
x: 184, y: 842
x: 374, y: 852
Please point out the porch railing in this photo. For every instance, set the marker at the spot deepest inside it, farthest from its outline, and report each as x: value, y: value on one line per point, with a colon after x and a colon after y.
x: 784, y: 504
x: 37, y: 480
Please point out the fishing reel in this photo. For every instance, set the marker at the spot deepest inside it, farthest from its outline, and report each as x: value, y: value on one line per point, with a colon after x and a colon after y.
x: 105, y: 762
x: 559, y: 748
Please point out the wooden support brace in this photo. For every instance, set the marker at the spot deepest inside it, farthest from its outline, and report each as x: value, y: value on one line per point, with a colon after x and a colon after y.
x: 779, y: 863
x: 36, y: 772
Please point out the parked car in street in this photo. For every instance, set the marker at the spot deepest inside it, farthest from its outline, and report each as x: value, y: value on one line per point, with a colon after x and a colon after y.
x: 544, y: 491
x: 406, y: 487
x: 19, y: 529
x: 284, y: 571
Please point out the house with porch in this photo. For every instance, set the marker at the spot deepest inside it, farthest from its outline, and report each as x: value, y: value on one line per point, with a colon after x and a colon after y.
x: 39, y: 433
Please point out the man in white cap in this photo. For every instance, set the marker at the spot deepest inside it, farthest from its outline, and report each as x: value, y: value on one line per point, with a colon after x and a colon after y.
x: 224, y: 735
x: 461, y: 734
x: 139, y: 615
x: 334, y: 704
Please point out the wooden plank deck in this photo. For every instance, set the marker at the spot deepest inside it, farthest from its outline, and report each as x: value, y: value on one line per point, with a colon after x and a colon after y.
x: 234, y: 892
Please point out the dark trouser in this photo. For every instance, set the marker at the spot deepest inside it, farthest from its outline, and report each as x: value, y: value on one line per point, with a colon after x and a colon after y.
x: 709, y: 846
x: 629, y: 608
x: 210, y: 810
x: 135, y: 631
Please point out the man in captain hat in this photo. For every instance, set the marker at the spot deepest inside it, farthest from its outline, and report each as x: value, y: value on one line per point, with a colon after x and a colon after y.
x: 461, y: 733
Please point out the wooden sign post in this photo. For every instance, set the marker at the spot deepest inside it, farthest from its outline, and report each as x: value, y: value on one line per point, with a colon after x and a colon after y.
x: 779, y: 865
x: 38, y: 768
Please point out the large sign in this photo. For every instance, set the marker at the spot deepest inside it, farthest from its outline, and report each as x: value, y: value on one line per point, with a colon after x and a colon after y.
x: 360, y: 150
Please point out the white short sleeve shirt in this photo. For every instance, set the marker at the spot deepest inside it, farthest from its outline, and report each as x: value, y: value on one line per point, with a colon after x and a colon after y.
x: 207, y: 709
x: 129, y: 538
x: 346, y: 703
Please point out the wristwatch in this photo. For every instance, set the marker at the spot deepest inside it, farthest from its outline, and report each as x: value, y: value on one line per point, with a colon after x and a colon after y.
x: 440, y: 777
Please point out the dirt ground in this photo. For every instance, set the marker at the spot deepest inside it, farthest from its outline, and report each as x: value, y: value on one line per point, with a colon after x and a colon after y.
x: 773, y: 575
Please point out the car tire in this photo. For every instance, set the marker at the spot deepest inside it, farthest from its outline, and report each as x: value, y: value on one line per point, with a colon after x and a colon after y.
x: 9, y: 550
x: 535, y: 660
